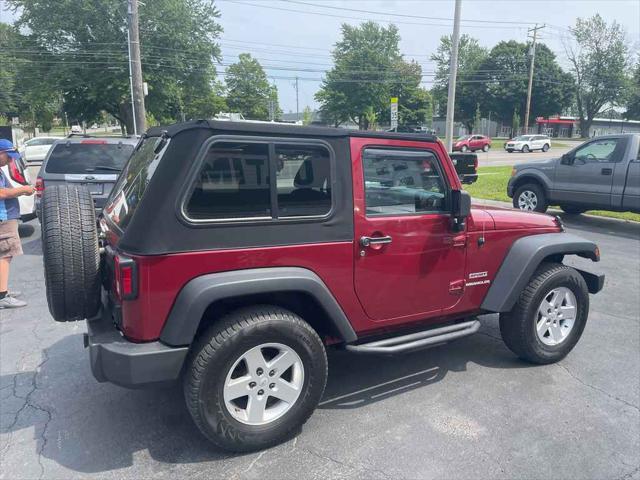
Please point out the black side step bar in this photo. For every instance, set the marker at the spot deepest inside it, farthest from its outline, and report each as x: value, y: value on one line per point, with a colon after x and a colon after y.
x: 415, y: 341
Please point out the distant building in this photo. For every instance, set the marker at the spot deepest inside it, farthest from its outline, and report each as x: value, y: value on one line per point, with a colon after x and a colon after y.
x: 569, y: 127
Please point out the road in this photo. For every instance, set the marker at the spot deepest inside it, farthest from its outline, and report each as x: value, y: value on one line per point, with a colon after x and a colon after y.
x: 465, y: 410
x: 499, y: 157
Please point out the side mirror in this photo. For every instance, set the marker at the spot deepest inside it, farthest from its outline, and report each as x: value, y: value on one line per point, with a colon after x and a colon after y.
x: 566, y: 159
x: 460, y: 209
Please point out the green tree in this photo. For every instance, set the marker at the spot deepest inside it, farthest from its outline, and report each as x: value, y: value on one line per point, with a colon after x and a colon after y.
x: 468, y: 93
x: 515, y: 122
x: 84, y: 44
x: 307, y: 115
x: 505, y: 73
x: 633, y: 102
x: 248, y: 89
x: 364, y: 75
x: 477, y: 119
x: 599, y: 61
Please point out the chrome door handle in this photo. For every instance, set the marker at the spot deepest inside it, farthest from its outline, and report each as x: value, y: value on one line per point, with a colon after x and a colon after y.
x: 368, y: 241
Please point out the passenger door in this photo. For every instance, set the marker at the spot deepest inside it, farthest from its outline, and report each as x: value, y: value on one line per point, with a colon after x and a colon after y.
x: 408, y: 262
x: 585, y: 175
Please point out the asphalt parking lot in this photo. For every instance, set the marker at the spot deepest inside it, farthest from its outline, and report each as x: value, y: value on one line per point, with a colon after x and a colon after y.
x: 499, y: 157
x: 466, y: 410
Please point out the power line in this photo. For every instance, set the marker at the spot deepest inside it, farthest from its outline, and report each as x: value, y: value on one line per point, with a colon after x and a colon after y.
x: 400, y: 22
x: 400, y: 14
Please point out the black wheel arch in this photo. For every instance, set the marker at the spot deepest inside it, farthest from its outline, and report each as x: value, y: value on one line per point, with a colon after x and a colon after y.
x: 530, y: 179
x: 207, y: 298
x: 525, y: 256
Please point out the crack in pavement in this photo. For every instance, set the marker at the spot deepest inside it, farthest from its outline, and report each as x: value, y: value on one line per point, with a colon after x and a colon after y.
x: 630, y: 474
x: 597, y: 389
x: 347, y: 465
x: 29, y: 403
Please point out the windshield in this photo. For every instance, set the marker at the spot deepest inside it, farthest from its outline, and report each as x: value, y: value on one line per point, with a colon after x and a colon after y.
x: 133, y: 181
x: 464, y: 137
x: 522, y: 138
x: 88, y: 157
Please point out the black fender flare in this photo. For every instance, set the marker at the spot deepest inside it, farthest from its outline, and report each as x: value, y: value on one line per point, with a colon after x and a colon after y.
x: 197, y: 294
x: 524, y: 257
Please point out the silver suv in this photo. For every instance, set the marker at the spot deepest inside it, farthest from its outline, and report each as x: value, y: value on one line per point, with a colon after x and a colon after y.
x: 528, y: 143
x: 92, y: 161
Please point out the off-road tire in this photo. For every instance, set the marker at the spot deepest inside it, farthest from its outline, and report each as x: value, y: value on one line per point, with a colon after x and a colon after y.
x: 525, y: 149
x: 538, y: 191
x: 215, y: 352
x: 571, y: 210
x: 70, y: 253
x: 518, y: 327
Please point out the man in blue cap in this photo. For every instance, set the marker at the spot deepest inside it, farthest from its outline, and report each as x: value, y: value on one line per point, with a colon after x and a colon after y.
x: 10, y: 245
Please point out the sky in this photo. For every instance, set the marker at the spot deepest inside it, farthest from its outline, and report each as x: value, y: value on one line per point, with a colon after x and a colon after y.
x: 257, y: 26
x: 294, y: 38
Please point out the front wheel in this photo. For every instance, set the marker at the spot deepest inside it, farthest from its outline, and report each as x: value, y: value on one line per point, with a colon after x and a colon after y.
x: 464, y: 149
x: 549, y: 317
x: 525, y: 149
x: 530, y: 197
x: 254, y: 378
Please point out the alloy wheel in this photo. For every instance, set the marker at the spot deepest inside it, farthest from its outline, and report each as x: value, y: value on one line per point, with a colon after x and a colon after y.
x: 527, y: 200
x: 556, y: 316
x: 263, y: 384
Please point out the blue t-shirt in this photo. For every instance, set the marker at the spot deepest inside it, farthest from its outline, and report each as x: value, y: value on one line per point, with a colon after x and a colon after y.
x: 10, y: 207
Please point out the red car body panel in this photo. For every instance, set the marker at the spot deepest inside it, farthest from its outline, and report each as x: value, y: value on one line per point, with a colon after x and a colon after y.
x: 426, y: 275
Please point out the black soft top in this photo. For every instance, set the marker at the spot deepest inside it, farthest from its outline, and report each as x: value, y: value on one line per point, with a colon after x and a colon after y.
x: 281, y: 129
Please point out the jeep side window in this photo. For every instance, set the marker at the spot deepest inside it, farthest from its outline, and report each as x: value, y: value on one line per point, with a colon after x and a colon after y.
x: 233, y: 183
x: 401, y: 181
x: 303, y: 178
x: 599, y: 151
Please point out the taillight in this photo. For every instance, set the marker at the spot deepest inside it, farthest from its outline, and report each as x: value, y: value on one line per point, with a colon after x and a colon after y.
x: 125, y: 277
x: 475, y: 164
x: 39, y: 186
x: 16, y: 173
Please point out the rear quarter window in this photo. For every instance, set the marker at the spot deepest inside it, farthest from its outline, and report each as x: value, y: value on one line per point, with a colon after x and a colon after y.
x: 133, y: 181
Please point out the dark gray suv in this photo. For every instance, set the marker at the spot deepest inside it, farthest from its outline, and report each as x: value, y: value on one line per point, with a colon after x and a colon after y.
x: 92, y: 161
x: 602, y: 173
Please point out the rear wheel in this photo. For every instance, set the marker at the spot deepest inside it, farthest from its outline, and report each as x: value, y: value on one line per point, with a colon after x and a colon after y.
x: 571, y: 210
x: 549, y: 317
x: 485, y: 148
x: 545, y: 147
x: 525, y: 149
x: 530, y: 197
x: 255, y: 378
x: 70, y: 253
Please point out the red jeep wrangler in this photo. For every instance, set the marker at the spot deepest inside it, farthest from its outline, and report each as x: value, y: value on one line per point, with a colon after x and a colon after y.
x: 231, y: 255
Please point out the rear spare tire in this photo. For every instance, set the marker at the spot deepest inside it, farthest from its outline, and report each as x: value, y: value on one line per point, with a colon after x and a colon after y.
x: 70, y: 253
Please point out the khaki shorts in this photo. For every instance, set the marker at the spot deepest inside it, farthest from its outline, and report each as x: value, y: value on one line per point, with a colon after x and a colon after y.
x: 10, y: 245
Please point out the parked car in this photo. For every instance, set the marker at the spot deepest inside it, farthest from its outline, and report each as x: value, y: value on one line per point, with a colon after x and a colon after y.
x: 232, y: 255
x: 528, y: 143
x: 76, y: 129
x: 94, y: 162
x: 34, y: 151
x: 18, y: 175
x: 466, y: 165
x: 603, y: 174
x: 472, y: 143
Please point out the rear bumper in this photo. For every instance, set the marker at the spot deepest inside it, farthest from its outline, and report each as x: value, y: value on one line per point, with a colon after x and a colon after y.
x: 115, y: 359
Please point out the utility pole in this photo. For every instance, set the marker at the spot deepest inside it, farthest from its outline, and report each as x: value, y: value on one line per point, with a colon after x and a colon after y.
x: 297, y: 104
x: 135, y: 69
x: 531, y: 65
x: 453, y: 71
